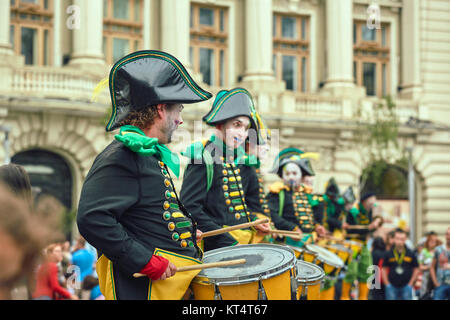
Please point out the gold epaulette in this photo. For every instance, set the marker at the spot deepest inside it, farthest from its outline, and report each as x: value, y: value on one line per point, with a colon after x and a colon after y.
x: 277, y: 187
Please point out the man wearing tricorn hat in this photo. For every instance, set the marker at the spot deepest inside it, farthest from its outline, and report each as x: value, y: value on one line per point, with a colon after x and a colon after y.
x: 333, y: 208
x: 212, y: 185
x: 129, y: 209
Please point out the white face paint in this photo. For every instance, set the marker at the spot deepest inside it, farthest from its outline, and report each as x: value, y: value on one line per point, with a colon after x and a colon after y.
x: 292, y: 174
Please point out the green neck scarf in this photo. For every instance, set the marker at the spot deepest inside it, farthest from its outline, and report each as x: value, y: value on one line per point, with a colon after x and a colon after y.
x: 331, y: 206
x: 136, y: 140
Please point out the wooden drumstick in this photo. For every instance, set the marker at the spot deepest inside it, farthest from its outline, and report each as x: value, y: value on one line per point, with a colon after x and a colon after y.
x: 285, y: 232
x: 220, y: 264
x: 357, y: 227
x: 236, y: 227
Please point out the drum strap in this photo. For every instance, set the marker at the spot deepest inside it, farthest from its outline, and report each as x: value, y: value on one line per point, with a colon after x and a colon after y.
x: 281, y: 197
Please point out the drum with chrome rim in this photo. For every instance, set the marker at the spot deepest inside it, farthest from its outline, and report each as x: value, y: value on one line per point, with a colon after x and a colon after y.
x: 341, y: 251
x: 304, y: 254
x: 309, y: 279
x: 327, y: 260
x: 355, y: 246
x: 268, y: 274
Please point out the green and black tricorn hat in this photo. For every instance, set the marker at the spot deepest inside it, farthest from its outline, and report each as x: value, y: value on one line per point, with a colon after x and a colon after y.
x: 146, y: 78
x: 297, y: 156
x: 349, y: 195
x: 332, y: 189
x: 230, y: 104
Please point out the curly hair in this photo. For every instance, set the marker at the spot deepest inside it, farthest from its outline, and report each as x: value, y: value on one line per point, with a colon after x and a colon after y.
x: 142, y: 119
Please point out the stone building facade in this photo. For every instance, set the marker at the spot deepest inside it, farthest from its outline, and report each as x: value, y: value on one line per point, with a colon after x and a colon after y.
x: 310, y: 65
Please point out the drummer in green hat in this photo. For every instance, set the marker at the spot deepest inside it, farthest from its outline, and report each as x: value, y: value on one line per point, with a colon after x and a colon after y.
x: 253, y: 179
x: 361, y: 215
x: 129, y: 209
x: 288, y: 200
x: 212, y: 189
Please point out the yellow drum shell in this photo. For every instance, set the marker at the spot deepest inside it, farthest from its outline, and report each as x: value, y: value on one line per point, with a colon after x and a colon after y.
x: 275, y: 289
x: 330, y: 262
x: 269, y: 267
x: 342, y: 252
x: 309, y: 279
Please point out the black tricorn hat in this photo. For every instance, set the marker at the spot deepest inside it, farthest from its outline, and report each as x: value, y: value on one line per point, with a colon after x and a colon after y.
x: 332, y: 189
x: 230, y: 104
x: 146, y: 78
x: 349, y: 195
x: 367, y: 195
x: 306, y: 167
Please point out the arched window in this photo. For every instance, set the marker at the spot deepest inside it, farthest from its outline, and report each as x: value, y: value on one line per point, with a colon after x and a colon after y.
x: 387, y: 181
x: 49, y: 174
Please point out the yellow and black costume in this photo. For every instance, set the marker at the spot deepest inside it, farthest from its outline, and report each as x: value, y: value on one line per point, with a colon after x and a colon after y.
x: 129, y: 209
x: 212, y: 189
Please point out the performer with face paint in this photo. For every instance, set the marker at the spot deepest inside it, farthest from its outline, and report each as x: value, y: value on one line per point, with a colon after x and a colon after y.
x: 212, y: 189
x: 129, y: 209
x: 253, y: 180
x: 288, y: 202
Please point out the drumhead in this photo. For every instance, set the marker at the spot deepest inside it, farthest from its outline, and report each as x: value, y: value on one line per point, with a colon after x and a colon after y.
x: 326, y: 256
x: 308, y: 272
x: 263, y: 261
x: 340, y: 247
x: 301, y: 250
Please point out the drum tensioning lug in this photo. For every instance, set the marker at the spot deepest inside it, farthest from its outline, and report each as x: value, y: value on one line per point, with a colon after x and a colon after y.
x: 261, y: 292
x: 294, y: 285
x: 304, y: 293
x: 217, y: 295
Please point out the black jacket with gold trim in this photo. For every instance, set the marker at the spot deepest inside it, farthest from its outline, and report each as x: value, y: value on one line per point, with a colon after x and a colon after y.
x: 127, y: 209
x: 296, y: 212
x: 224, y: 204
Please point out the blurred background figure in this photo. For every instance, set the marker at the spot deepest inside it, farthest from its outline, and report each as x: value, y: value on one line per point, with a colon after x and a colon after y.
x: 21, y: 239
x: 91, y: 289
x: 83, y: 259
x: 425, y: 258
x: 378, y: 254
x: 400, y: 269
x: 14, y: 177
x: 47, y: 283
x: 440, y: 270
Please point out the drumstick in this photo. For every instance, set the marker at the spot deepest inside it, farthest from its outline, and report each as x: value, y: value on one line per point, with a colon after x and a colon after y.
x: 203, y: 266
x: 357, y: 227
x: 236, y: 227
x: 285, y: 232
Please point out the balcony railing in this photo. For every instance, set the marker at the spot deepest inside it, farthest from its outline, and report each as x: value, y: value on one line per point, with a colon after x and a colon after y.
x: 49, y: 82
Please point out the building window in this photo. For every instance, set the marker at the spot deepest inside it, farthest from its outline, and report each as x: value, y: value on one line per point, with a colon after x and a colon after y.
x: 371, y: 58
x: 122, y: 28
x: 31, y: 30
x: 209, y: 43
x: 291, y: 50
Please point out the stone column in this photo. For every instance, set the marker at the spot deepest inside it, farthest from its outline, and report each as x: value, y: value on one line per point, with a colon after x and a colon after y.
x: 258, y: 76
x: 175, y: 25
x: 57, y: 25
x: 258, y: 40
x: 339, y: 46
x: 146, y: 25
x: 88, y: 36
x: 5, y: 45
x: 410, y: 54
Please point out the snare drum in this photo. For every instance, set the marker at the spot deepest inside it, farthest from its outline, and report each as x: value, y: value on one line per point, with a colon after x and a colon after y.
x: 327, y: 260
x: 304, y: 254
x: 355, y: 246
x: 309, y: 279
x: 342, y: 252
x: 268, y: 274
